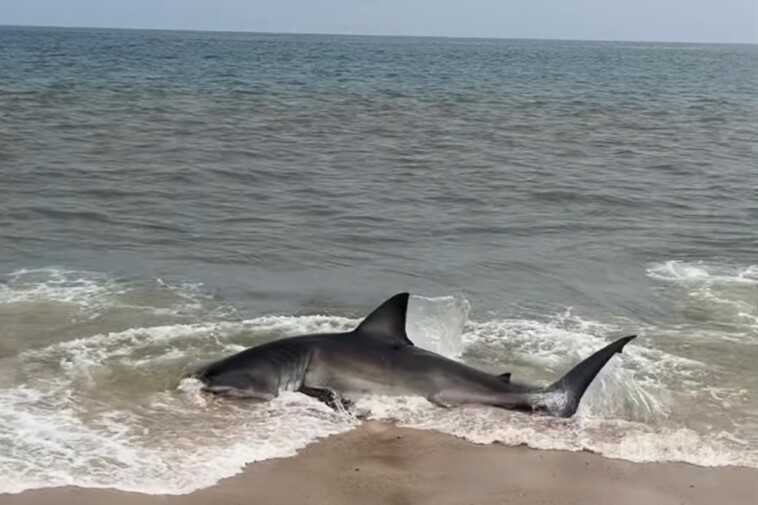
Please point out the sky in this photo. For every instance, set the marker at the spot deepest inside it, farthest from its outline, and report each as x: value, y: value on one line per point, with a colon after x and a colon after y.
x: 643, y: 20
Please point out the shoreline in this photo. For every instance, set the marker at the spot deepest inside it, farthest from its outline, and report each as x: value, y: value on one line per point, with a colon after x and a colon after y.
x: 379, y: 463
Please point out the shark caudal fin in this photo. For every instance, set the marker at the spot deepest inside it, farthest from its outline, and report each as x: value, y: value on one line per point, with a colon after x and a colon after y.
x: 575, y: 383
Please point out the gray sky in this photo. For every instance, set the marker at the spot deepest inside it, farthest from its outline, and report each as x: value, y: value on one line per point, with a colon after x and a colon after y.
x: 655, y: 20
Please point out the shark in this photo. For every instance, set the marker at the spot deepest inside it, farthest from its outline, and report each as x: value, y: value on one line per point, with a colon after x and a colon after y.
x: 378, y: 358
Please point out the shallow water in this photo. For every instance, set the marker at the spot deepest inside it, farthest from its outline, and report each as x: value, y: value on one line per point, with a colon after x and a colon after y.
x: 170, y: 197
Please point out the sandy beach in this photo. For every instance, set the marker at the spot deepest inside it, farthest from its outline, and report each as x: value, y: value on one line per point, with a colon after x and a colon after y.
x: 382, y: 464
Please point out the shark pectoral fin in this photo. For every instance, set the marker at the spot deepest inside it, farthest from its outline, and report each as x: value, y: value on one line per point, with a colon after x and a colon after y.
x: 328, y: 397
x: 505, y: 377
x: 387, y: 322
x: 439, y: 401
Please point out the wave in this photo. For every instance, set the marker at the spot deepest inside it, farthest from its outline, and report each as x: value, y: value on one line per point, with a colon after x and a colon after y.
x: 90, y: 294
x: 713, y: 292
x: 700, y: 272
x: 108, y: 410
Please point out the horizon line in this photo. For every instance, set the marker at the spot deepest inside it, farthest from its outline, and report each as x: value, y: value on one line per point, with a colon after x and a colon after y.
x: 346, y: 34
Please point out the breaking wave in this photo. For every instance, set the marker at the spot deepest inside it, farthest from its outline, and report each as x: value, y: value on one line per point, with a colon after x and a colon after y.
x: 107, y: 409
x: 720, y: 293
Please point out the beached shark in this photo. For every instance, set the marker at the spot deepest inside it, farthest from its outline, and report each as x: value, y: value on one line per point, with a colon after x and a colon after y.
x: 377, y: 358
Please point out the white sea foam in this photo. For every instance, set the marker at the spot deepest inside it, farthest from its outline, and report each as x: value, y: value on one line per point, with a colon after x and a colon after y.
x: 108, y: 410
x: 611, y: 437
x: 437, y: 323
x: 703, y: 272
x: 92, y: 293
x: 714, y: 292
x: 56, y: 285
x: 195, y: 444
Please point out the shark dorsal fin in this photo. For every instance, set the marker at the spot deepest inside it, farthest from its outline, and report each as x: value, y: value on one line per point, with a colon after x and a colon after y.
x: 505, y: 377
x: 387, y: 322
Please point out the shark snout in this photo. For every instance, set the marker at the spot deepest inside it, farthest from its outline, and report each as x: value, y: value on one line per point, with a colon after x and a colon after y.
x: 231, y: 383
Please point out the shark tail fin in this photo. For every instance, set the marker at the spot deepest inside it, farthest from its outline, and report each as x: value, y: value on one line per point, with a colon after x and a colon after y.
x: 576, y: 381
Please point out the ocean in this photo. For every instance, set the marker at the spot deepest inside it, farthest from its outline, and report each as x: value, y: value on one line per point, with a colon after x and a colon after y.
x: 170, y: 197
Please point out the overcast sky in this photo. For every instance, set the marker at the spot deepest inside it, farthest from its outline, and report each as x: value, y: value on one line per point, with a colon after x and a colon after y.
x: 654, y: 20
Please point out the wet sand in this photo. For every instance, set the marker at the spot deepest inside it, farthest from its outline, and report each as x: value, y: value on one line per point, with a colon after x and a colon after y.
x: 382, y: 464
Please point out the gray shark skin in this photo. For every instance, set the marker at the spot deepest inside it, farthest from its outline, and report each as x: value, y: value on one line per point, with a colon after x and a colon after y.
x: 377, y: 358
